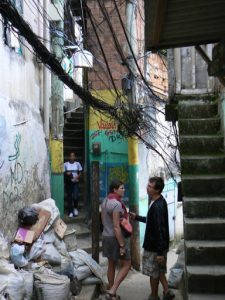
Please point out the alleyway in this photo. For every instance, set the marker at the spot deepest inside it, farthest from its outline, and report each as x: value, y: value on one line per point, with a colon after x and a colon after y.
x: 136, y: 285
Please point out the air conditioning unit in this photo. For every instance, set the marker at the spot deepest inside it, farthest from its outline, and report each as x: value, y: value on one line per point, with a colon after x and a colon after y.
x: 83, y: 59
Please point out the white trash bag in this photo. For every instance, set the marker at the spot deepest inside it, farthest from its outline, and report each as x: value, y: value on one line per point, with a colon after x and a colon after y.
x: 49, y: 285
x: 28, y: 278
x: 17, y: 253
x: 52, y: 255
x: 49, y: 205
x: 175, y: 278
x: 14, y: 281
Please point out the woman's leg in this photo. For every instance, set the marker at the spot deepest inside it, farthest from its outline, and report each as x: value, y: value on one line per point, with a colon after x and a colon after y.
x: 69, y: 189
x: 75, y: 194
x: 125, y: 267
x: 111, y: 272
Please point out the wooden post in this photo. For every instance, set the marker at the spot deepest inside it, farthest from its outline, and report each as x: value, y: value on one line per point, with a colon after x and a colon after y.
x: 95, y: 210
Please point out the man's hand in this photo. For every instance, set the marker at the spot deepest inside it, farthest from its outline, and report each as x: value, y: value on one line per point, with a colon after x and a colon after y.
x: 160, y: 260
x: 132, y: 215
x: 68, y: 173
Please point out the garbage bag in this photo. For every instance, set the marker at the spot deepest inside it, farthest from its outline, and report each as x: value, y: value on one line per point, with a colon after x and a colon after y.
x: 28, y: 278
x: 49, y: 205
x: 75, y: 284
x: 91, y: 263
x: 175, y: 278
x: 49, y: 285
x: 50, y: 236
x: 17, y: 255
x: 37, y: 249
x: 4, y: 247
x: 82, y: 272
x: 61, y: 247
x: 3, y: 290
x: 51, y: 255
x: 91, y: 280
x: 13, y: 280
x: 27, y: 216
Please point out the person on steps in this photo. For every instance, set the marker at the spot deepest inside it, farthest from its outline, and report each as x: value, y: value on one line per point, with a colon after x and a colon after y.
x: 114, y: 246
x: 72, y: 170
x: 156, y: 240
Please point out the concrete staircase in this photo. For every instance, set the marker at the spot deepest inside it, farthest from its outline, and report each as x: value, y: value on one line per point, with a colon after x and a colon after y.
x: 203, y: 186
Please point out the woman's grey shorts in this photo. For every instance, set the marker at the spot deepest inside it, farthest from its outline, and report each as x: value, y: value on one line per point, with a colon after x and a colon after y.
x: 111, y: 249
x: 150, y: 266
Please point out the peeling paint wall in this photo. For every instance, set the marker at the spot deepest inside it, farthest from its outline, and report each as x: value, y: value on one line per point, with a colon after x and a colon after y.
x: 24, y: 167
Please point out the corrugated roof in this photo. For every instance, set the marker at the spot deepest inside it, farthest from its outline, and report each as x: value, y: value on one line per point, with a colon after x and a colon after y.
x: 177, y: 23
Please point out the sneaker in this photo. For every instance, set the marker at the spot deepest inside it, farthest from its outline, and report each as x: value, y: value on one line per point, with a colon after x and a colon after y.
x: 70, y: 215
x: 75, y: 212
x: 169, y: 295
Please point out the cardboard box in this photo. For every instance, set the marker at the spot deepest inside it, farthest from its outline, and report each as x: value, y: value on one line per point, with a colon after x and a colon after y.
x: 60, y: 228
x: 38, y: 228
x: 24, y: 236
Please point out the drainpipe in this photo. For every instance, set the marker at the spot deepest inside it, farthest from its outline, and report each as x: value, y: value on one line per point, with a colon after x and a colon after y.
x: 133, y: 160
x: 46, y: 77
x: 57, y: 102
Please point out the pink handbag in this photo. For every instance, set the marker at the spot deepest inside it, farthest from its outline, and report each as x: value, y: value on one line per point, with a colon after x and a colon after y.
x: 126, y: 227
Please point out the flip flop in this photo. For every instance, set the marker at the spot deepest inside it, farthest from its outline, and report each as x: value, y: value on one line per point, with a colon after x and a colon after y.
x: 110, y: 296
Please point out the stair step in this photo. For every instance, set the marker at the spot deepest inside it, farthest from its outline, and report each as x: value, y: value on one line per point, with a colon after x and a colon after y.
x: 76, y: 220
x: 78, y: 149
x: 204, y: 228
x: 82, y: 230
x: 73, y: 141
x: 73, y: 133
x: 86, y: 244
x: 197, y: 109
x: 199, y: 126
x: 205, y: 252
x: 204, y: 207
x: 203, y: 185
x: 201, y: 144
x: 77, y: 115
x: 206, y: 279
x: 199, y: 164
x: 72, y: 126
x: 206, y: 297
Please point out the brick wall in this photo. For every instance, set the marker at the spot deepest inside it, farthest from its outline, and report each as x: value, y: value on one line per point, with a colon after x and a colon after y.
x: 97, y: 78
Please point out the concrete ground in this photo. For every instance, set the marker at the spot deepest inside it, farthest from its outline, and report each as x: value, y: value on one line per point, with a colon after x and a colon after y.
x: 136, y: 286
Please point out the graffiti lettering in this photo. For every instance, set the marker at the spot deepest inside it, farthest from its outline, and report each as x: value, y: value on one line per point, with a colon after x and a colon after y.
x: 95, y: 134
x: 11, y: 196
x: 114, y: 136
x: 120, y: 172
x: 16, y: 147
x: 104, y: 124
x: 16, y: 173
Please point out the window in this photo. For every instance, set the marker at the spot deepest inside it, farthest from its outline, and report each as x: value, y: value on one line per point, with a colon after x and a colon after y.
x: 10, y: 35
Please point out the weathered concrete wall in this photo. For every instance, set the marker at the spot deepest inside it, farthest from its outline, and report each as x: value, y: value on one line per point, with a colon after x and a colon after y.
x: 24, y: 168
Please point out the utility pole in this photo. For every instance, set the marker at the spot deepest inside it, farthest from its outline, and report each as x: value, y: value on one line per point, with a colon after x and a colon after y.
x: 57, y: 102
x: 133, y: 142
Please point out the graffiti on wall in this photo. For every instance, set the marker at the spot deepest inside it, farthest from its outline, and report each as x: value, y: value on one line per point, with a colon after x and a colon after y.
x: 111, y: 135
x: 16, y: 173
x: 106, y: 124
x: 110, y: 171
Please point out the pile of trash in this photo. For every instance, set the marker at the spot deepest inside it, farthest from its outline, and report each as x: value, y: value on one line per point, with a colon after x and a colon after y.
x: 37, y: 264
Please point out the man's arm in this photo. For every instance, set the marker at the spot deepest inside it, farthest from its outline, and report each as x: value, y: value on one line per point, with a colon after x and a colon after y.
x: 159, y: 235
x: 138, y: 218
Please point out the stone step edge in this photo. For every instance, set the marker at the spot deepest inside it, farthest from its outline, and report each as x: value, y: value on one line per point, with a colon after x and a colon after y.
x: 204, y: 221
x: 204, y: 244
x: 203, y: 177
x: 201, y: 136
x: 206, y: 296
x: 201, y: 157
x: 203, y: 199
x: 212, y: 270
